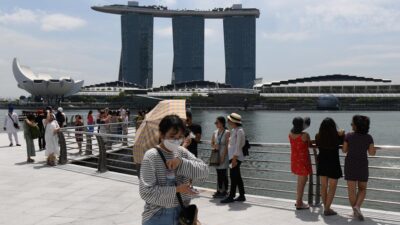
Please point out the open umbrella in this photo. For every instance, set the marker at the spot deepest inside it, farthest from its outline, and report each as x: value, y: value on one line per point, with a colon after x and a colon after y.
x: 147, y: 135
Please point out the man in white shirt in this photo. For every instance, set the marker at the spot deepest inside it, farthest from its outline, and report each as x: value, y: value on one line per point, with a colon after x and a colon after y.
x: 11, y: 125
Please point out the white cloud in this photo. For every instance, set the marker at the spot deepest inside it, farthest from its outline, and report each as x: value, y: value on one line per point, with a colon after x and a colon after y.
x: 287, y: 36
x: 56, y: 22
x: 163, y: 31
x: 47, y: 22
x: 19, y: 16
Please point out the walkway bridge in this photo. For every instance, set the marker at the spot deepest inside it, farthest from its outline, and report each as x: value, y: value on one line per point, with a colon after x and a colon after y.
x: 105, y: 190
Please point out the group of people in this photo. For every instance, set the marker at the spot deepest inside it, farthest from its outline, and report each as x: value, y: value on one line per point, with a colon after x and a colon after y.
x: 357, y: 145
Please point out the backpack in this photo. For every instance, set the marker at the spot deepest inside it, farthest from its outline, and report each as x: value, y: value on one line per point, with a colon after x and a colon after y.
x: 246, y: 148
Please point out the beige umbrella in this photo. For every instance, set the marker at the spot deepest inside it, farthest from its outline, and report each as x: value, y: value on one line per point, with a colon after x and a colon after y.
x: 147, y: 135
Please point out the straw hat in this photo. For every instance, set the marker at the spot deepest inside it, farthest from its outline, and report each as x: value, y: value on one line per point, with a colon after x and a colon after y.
x: 235, y: 118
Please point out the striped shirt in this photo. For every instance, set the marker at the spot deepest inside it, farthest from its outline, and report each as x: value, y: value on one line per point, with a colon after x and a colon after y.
x: 153, y: 184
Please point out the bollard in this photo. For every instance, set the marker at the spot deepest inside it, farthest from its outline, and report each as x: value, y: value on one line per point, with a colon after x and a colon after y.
x: 102, y: 163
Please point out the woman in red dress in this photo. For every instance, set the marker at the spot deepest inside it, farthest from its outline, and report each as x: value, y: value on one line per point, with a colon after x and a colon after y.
x: 300, y: 158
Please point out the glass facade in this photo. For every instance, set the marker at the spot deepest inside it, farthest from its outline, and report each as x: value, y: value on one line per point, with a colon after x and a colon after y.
x: 136, y: 64
x: 188, y: 41
x: 240, y: 51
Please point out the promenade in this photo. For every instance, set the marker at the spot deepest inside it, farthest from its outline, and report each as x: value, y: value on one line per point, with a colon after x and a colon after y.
x: 34, y: 194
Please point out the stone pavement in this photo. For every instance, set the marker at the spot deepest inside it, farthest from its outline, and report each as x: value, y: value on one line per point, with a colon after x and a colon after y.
x: 34, y: 194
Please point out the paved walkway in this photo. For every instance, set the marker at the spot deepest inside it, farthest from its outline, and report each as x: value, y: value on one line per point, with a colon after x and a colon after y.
x: 34, y: 194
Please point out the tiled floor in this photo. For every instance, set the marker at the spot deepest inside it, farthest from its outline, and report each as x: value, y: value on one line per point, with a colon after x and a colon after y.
x: 37, y: 194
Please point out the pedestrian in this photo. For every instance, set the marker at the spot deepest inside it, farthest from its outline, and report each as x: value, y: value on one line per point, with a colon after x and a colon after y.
x: 51, y: 135
x: 39, y: 121
x: 219, y: 143
x: 329, y: 170
x: 237, y: 141
x: 161, y: 186
x: 193, y: 134
x: 300, y: 158
x: 11, y: 125
x: 79, y: 128
x: 125, y: 125
x: 357, y: 146
x: 61, y: 118
x: 29, y: 124
x: 90, y: 129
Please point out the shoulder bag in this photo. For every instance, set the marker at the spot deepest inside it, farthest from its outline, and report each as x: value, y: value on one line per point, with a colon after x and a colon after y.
x: 15, y: 124
x: 188, y: 215
x: 215, y: 159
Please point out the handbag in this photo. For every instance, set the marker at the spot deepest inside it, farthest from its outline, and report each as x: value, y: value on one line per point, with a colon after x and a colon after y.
x: 215, y: 158
x: 15, y: 124
x: 34, y: 132
x: 188, y: 215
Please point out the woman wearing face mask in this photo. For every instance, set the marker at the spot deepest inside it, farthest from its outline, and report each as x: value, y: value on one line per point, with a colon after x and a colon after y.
x: 159, y: 185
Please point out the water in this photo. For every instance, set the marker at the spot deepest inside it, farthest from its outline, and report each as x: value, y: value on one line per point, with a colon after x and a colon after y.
x: 273, y: 127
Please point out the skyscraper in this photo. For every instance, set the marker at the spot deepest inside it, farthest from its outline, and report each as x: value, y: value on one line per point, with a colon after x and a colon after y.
x: 137, y: 49
x: 240, y: 50
x: 188, y: 36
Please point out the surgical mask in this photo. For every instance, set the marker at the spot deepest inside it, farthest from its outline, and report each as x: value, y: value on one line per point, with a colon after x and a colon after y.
x: 172, y: 144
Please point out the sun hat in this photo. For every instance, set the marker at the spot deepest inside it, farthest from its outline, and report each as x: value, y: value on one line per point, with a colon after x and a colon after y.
x: 60, y: 109
x: 235, y: 118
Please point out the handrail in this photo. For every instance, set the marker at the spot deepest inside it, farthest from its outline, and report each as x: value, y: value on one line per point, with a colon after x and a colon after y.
x: 111, y: 157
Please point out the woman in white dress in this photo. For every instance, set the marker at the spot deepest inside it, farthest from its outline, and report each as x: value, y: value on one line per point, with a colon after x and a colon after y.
x: 51, y: 137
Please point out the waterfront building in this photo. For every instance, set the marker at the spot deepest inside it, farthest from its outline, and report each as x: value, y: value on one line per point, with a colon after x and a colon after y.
x: 44, y: 85
x: 240, y: 51
x: 338, y: 85
x: 136, y: 64
x: 188, y: 42
x: 188, y: 39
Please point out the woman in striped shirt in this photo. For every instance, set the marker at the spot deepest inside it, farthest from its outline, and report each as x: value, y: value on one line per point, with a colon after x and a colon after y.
x: 159, y: 185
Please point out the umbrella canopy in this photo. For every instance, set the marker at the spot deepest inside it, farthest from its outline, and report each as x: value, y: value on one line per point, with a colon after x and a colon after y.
x: 147, y: 135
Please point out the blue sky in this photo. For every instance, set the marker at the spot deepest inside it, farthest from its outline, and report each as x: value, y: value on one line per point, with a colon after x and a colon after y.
x: 295, y: 38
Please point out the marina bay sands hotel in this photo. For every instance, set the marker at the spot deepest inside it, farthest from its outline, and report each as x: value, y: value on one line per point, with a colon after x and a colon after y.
x: 136, y: 64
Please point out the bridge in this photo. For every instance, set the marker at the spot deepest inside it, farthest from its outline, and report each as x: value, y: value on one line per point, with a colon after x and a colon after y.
x: 96, y: 194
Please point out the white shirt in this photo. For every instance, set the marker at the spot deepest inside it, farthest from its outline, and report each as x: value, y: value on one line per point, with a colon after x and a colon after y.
x: 236, y: 143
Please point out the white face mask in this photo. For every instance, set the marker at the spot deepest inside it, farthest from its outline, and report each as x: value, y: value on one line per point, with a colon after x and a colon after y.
x: 172, y: 144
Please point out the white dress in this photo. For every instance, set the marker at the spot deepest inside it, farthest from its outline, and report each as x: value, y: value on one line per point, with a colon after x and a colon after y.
x: 51, y: 138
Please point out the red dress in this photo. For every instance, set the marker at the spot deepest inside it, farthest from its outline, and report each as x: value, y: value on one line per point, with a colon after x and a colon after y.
x: 300, y: 158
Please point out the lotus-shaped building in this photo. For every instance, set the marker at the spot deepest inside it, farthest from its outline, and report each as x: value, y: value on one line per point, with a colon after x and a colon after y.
x: 44, y: 85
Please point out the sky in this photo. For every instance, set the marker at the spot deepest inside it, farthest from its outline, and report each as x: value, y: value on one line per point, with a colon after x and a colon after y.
x: 294, y: 38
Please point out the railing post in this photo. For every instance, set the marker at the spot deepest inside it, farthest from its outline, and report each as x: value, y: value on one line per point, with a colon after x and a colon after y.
x: 63, y: 149
x: 317, y: 200
x: 102, y: 164
x: 310, y: 189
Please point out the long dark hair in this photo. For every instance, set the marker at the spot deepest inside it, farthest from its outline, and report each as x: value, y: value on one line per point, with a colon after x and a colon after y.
x: 328, y: 135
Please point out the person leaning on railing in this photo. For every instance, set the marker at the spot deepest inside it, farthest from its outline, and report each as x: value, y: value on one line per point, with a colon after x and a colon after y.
x: 357, y: 145
x: 300, y: 158
x: 158, y: 185
x: 328, y: 141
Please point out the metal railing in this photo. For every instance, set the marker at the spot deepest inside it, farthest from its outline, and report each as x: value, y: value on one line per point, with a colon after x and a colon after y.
x: 265, y: 172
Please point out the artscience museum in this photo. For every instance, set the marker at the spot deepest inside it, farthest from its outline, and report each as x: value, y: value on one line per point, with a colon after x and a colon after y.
x: 44, y: 85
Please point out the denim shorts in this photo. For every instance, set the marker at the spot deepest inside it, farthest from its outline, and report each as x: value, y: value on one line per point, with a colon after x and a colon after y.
x: 166, y: 216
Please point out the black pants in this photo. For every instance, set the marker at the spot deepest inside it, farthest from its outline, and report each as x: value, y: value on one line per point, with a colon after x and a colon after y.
x: 42, y: 142
x: 236, y: 180
x: 222, y: 177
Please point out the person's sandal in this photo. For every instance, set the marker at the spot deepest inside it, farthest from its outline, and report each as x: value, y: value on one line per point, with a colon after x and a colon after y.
x: 330, y: 212
x: 302, y: 206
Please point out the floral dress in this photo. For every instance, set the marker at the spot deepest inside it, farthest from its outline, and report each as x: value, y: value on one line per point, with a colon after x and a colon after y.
x: 300, y: 158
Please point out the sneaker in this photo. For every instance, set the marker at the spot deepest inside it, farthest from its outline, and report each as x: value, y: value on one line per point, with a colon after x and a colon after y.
x: 18, y: 145
x: 216, y: 194
x: 227, y: 200
x: 240, y: 199
x: 358, y: 214
x: 11, y: 144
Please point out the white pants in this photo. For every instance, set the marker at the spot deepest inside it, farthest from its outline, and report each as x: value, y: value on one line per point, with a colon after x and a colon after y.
x: 10, y: 134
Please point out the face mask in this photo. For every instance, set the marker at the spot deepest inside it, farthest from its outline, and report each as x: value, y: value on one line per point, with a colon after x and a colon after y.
x: 172, y: 144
